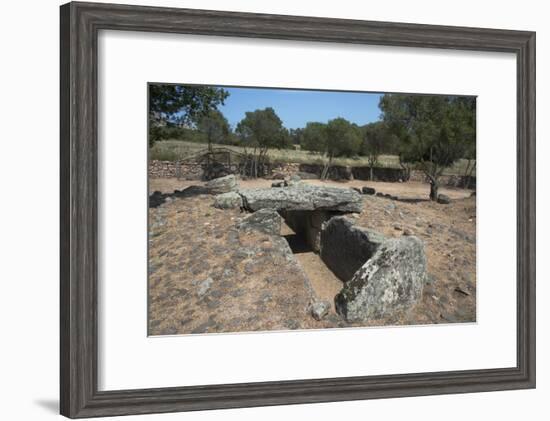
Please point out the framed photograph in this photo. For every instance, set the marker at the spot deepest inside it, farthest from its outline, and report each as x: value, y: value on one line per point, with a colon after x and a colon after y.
x: 264, y: 210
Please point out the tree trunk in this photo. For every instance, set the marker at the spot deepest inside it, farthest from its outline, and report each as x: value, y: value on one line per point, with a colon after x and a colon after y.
x: 324, y: 173
x: 469, y: 178
x: 371, y: 173
x: 434, y: 187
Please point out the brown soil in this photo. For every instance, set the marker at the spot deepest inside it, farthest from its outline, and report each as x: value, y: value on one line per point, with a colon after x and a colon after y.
x: 207, y: 276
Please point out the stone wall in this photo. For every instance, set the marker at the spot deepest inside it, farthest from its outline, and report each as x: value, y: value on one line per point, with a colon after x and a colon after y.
x: 171, y: 169
x: 186, y: 171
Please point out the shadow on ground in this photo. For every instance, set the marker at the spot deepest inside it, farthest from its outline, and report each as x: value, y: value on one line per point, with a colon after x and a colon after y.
x: 51, y: 405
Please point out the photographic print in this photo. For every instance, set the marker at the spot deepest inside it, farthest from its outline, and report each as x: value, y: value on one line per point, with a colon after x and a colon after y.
x: 276, y: 209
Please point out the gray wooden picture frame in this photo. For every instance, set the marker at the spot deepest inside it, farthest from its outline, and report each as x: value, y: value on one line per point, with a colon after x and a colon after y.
x: 80, y: 23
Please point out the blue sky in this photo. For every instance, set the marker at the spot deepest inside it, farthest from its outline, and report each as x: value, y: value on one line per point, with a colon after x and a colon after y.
x: 296, y: 108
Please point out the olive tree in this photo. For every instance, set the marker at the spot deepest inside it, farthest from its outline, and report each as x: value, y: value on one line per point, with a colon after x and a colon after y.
x: 181, y: 104
x: 342, y: 139
x: 377, y: 140
x: 432, y: 130
x: 215, y: 128
x: 261, y: 130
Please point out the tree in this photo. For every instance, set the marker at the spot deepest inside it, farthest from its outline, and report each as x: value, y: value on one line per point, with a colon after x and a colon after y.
x: 467, y: 112
x: 215, y: 127
x: 432, y: 130
x: 377, y: 139
x: 296, y: 136
x: 182, y: 104
x: 261, y: 130
x: 314, y: 137
x: 342, y: 139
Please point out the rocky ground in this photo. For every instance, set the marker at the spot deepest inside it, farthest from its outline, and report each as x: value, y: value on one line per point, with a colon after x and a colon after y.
x: 205, y: 275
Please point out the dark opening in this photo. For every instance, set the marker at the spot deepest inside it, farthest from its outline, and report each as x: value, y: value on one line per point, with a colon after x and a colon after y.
x: 305, y: 226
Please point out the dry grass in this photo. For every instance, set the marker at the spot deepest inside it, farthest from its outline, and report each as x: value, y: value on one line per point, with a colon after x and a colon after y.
x: 173, y: 150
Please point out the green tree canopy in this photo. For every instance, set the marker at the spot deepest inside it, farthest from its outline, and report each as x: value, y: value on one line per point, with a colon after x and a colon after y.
x: 182, y: 104
x: 343, y: 138
x: 377, y: 140
x: 261, y: 130
x: 314, y: 137
x: 215, y: 127
x: 337, y: 138
x: 433, y: 130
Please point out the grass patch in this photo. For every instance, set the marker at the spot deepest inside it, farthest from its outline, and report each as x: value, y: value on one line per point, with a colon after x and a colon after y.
x: 174, y: 150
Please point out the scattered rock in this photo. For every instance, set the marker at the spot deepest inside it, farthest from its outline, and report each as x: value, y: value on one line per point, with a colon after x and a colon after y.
x: 408, y: 231
x: 319, y: 309
x: 368, y: 190
x: 303, y: 197
x: 292, y: 324
x: 461, y: 235
x: 391, y: 280
x: 222, y: 185
x: 398, y: 227
x: 230, y: 200
x: 443, y: 199
x: 203, y: 327
x: 204, y: 286
x: 357, y: 189
x: 263, y: 220
x: 280, y: 183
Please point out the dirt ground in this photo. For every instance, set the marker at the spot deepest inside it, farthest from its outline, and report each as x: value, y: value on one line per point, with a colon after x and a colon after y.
x: 207, y: 276
x: 409, y: 190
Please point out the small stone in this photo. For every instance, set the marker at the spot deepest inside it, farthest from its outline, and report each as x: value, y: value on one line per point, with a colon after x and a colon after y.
x: 230, y: 200
x: 443, y: 199
x: 368, y: 190
x: 319, y: 309
x: 204, y: 286
x: 292, y: 324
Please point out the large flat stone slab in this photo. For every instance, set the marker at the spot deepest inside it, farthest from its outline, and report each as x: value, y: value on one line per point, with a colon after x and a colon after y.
x: 303, y: 197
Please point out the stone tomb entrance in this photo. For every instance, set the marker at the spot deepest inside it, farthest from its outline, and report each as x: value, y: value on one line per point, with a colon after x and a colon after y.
x: 307, y: 226
x: 372, y: 276
x: 304, y: 207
